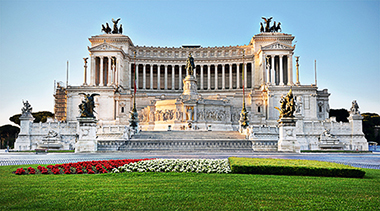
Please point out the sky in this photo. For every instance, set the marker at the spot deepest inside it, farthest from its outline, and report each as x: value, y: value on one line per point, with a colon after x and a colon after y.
x: 39, y: 37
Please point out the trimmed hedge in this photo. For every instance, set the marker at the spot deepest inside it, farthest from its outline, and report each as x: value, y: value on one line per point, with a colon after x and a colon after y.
x: 292, y: 167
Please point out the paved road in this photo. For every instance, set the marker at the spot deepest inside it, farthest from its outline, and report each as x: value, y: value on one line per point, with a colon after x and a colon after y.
x: 365, y: 160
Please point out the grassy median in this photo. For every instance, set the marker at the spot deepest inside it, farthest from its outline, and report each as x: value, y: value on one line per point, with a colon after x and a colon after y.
x: 186, y: 191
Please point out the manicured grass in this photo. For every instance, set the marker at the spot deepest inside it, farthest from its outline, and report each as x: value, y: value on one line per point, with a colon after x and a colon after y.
x: 186, y: 191
x: 241, y: 165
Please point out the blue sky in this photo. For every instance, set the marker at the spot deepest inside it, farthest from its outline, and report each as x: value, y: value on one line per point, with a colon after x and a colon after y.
x: 39, y: 37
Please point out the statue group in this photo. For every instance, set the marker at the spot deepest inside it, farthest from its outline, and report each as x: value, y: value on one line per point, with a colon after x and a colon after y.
x: 116, y: 30
x: 86, y: 108
x: 268, y: 28
x: 287, y: 106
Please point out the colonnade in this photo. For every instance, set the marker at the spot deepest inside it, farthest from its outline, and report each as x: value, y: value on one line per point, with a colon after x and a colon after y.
x: 278, y: 69
x: 209, y: 76
x: 103, y: 71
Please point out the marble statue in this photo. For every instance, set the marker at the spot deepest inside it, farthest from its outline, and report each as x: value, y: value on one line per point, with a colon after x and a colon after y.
x: 86, y: 108
x: 354, y: 108
x: 26, y: 110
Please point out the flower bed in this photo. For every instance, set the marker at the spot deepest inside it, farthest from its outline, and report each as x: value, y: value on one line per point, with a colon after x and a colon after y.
x: 177, y: 165
x: 86, y: 167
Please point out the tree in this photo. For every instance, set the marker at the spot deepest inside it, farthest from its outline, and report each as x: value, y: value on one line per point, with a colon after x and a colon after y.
x: 370, y: 122
x: 8, y: 136
x: 40, y: 116
x: 340, y: 114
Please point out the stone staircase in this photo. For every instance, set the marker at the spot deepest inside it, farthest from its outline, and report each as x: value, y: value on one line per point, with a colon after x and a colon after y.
x: 181, y: 141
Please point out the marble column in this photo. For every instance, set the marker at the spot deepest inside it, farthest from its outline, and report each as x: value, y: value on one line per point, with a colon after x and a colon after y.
x: 267, y: 66
x: 202, y: 77
x: 216, y: 76
x: 281, y: 71
x: 144, y: 76
x: 237, y: 76
x: 158, y: 77
x: 93, y: 70
x: 166, y: 77
x: 109, y: 71
x: 223, y: 76
x: 208, y: 77
x: 273, y: 78
x: 180, y: 77
x: 290, y: 69
x: 151, y: 76
x: 230, y: 65
x: 173, y: 74
x: 101, y: 72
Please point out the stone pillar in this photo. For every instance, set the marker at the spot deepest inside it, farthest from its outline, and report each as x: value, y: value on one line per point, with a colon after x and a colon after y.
x: 92, y: 71
x: 223, y: 76
x: 208, y: 77
x: 158, y: 77
x: 287, y: 132
x: 87, y: 135
x: 216, y: 76
x: 272, y: 70
x: 173, y: 75
x: 109, y: 71
x: 290, y: 70
x: 195, y: 72
x: 253, y: 75
x: 166, y: 77
x: 230, y: 65
x: 202, y: 77
x: 85, y: 74
x: 151, y: 76
x: 180, y: 77
x: 144, y: 76
x: 101, y: 72
x: 281, y: 71
x: 267, y: 66
x: 238, y: 76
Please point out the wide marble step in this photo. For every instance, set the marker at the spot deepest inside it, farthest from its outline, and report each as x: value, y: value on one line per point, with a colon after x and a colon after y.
x: 188, y: 135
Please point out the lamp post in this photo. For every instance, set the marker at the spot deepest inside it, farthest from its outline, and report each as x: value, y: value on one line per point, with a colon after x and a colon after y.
x: 133, y: 121
x: 243, y: 115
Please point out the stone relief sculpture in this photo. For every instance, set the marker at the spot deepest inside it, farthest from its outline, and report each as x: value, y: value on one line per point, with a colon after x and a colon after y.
x: 354, y: 108
x: 26, y: 110
x: 116, y: 30
x: 268, y: 28
x: 86, y: 108
x: 287, y: 107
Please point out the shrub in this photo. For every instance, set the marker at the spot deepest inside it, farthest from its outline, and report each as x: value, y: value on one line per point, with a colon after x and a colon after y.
x: 292, y: 167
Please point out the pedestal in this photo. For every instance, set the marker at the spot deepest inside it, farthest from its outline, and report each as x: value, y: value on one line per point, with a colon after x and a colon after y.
x: 87, y: 135
x: 23, y: 141
x: 287, y: 131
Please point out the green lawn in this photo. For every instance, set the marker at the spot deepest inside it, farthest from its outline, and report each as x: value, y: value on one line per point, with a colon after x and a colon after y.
x: 187, y: 191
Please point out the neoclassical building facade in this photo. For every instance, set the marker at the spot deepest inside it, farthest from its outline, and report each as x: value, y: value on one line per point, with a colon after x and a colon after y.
x: 169, y: 97
x: 266, y: 63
